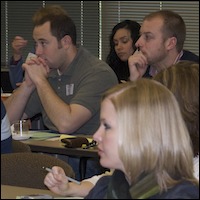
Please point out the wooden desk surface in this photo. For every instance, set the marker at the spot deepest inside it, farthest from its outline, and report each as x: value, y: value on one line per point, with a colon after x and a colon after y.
x: 57, y: 147
x: 11, y: 192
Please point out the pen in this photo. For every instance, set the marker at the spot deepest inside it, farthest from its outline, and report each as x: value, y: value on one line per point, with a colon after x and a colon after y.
x: 69, y: 178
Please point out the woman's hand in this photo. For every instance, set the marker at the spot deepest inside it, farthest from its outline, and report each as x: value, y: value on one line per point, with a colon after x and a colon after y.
x: 56, y: 181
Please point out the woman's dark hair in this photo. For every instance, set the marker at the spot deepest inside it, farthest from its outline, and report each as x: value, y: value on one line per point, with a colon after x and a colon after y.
x: 121, y: 68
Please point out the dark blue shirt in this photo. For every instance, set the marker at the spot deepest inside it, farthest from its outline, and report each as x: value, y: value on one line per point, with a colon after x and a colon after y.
x: 6, y: 139
x: 117, y: 187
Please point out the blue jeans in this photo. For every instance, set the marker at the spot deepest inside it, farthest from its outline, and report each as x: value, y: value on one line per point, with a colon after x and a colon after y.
x: 93, y: 167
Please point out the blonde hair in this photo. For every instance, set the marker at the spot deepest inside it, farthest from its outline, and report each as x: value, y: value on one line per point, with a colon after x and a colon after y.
x: 182, y: 79
x: 153, y: 136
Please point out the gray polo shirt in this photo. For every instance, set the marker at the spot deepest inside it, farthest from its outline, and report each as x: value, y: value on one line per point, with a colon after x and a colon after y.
x: 83, y: 83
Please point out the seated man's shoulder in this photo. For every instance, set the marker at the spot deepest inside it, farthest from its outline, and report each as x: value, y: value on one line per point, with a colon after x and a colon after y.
x: 188, y: 55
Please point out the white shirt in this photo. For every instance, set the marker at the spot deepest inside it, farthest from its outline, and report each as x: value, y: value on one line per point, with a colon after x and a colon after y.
x: 95, y: 178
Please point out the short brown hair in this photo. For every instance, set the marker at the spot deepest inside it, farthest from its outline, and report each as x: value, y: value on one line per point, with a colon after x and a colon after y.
x: 173, y: 26
x: 61, y: 23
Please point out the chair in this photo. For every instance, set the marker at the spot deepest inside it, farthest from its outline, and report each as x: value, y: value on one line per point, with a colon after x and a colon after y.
x: 18, y: 146
x: 26, y: 169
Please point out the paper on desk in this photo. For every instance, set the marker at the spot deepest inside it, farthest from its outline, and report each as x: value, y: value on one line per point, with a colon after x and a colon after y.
x: 62, y: 136
x: 22, y: 197
x: 68, y: 198
x: 41, y: 135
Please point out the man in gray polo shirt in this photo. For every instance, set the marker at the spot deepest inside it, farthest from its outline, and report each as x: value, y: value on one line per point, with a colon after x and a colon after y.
x: 65, y: 82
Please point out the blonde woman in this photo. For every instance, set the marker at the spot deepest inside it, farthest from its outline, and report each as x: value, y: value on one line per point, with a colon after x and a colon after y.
x: 142, y: 135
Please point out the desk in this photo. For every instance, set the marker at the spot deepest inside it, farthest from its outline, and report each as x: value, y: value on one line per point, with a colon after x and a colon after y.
x: 57, y: 147
x: 10, y: 192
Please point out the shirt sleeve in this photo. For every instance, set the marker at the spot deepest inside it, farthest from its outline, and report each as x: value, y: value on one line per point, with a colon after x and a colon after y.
x: 16, y: 73
x: 95, y: 178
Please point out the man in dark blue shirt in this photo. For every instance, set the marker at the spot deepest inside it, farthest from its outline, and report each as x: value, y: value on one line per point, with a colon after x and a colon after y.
x: 162, y: 37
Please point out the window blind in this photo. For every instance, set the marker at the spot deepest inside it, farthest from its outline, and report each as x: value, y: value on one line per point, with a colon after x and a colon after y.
x: 94, y: 21
x: 16, y: 19
x: 116, y: 11
x: 4, y: 41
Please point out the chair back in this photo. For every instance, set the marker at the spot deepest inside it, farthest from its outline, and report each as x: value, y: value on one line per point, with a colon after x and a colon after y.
x: 26, y: 169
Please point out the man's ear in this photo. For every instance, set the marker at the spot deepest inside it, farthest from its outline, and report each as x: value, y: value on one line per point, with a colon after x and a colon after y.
x: 171, y: 43
x: 66, y: 41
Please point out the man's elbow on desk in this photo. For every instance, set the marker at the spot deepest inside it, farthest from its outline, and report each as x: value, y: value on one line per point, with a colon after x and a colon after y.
x: 73, y: 123
x: 68, y: 128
